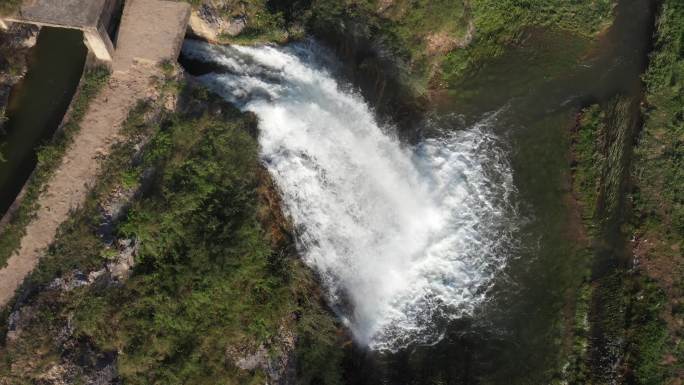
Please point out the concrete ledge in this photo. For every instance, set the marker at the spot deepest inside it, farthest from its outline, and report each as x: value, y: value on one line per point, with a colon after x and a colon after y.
x: 77, y: 14
x: 151, y: 31
x: 99, y: 43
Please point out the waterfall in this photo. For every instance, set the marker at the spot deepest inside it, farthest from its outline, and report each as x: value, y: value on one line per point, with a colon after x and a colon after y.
x: 404, y: 238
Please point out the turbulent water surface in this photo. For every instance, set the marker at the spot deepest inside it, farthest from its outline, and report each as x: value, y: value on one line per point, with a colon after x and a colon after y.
x: 404, y: 237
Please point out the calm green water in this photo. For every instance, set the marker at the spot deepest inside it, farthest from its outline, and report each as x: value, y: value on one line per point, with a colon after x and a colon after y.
x: 37, y: 105
x: 538, y: 88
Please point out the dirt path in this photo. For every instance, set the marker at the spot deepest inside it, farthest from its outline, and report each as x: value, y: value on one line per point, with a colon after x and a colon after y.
x: 140, y: 49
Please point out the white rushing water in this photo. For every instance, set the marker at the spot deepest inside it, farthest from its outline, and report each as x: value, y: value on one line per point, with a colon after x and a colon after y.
x: 404, y: 238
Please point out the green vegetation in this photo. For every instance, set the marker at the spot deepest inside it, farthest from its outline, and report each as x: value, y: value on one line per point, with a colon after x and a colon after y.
x: 575, y: 369
x: 651, y: 294
x: 49, y: 157
x: 433, y: 44
x: 659, y: 166
x: 211, y: 285
x: 588, y: 164
x: 658, y: 200
x: 441, y: 41
x: 262, y: 25
x: 8, y: 7
x: 648, y: 337
x: 203, y: 251
x: 499, y: 24
x: 600, y: 148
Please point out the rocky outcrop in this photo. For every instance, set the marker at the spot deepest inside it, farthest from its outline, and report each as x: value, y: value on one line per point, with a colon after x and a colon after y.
x: 15, y: 44
x: 275, y: 360
x: 208, y: 23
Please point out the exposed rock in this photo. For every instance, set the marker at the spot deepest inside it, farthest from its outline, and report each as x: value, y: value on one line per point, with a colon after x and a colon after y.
x: 276, y: 359
x: 18, y: 321
x: 443, y: 42
x: 120, y: 269
x: 207, y: 23
x: 66, y: 373
x: 115, y: 271
x: 57, y: 375
x: 383, y: 5
x: 14, y: 48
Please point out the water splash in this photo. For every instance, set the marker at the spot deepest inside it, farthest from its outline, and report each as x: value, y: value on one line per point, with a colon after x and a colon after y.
x: 404, y: 239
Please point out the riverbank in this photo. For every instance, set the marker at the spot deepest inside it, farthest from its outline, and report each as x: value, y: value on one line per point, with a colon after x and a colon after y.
x: 658, y: 201
x: 636, y: 283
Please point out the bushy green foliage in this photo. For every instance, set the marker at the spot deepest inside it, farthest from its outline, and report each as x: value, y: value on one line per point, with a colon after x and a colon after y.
x: 49, y: 157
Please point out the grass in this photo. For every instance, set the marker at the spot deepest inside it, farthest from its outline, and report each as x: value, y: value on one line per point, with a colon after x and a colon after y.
x: 600, y: 146
x: 434, y: 44
x: 659, y: 170
x: 588, y: 164
x: 209, y: 285
x: 471, y: 31
x: 658, y: 200
x: 8, y: 7
x: 652, y: 292
x: 262, y: 25
x: 49, y: 157
x: 499, y: 24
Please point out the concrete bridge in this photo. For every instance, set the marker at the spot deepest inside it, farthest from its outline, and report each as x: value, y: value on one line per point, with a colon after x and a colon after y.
x: 98, y: 18
x: 93, y: 17
x: 151, y: 32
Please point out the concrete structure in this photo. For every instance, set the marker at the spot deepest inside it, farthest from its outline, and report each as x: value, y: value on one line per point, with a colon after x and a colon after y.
x: 151, y: 32
x: 90, y: 16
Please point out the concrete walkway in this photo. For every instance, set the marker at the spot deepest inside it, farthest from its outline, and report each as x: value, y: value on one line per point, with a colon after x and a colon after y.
x: 151, y: 32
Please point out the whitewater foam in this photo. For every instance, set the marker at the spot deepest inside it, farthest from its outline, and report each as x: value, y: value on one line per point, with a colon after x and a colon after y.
x: 404, y: 238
